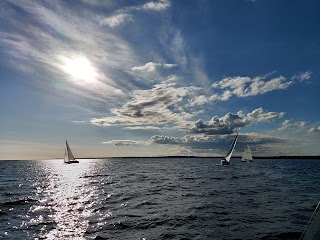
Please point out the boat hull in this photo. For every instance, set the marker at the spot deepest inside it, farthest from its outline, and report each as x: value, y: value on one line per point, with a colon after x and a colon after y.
x: 72, y: 162
x: 224, y: 162
x: 246, y: 160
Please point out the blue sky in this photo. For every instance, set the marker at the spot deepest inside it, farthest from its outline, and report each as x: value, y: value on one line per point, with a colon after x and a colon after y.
x: 155, y: 78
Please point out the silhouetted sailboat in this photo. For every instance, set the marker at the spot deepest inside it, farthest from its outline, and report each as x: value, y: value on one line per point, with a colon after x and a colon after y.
x: 226, y: 159
x: 68, y: 156
x: 247, y: 155
x: 312, y: 231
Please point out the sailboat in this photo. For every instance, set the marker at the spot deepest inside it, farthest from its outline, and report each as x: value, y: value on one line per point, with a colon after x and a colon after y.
x: 247, y: 155
x: 68, y: 156
x: 312, y: 231
x: 226, y: 159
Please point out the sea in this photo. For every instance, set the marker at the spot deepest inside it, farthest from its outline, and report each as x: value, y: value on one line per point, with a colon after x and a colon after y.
x: 157, y: 198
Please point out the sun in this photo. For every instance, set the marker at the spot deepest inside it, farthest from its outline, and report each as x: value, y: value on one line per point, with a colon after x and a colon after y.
x: 80, y: 69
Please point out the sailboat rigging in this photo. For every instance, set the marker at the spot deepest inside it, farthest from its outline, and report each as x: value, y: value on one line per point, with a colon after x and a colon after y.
x: 227, y: 158
x: 247, y: 155
x: 68, y: 156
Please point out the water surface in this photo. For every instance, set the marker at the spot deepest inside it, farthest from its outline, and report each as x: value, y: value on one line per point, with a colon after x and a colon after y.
x: 150, y: 198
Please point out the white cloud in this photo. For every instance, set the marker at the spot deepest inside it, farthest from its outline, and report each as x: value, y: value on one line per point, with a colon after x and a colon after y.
x: 260, y: 115
x: 162, y: 104
x: 75, y: 121
x: 314, y: 129
x: 157, y: 6
x: 117, y: 20
x: 160, y: 139
x: 225, y: 96
x: 246, y: 86
x: 169, y: 65
x: 232, y: 82
x: 303, y: 76
x: 240, y: 87
x: 125, y: 142
x: 287, y: 124
x: 148, y: 67
x: 198, y: 101
x: 151, y: 67
x: 126, y: 14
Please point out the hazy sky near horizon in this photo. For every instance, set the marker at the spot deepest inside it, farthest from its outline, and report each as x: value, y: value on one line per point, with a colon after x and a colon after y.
x: 155, y: 78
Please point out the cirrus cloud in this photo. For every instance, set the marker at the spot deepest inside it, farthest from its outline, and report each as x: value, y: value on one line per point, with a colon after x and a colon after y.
x: 303, y: 76
x: 157, y: 6
x: 117, y: 20
x: 151, y: 66
x: 125, y: 15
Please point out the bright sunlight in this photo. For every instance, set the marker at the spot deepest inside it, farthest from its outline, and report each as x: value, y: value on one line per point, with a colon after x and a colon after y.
x: 80, y: 68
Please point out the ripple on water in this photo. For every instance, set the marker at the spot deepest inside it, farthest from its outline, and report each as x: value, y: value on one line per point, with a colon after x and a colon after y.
x: 157, y: 199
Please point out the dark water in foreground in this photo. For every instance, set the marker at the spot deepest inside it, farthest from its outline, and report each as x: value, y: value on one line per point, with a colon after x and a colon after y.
x: 157, y: 199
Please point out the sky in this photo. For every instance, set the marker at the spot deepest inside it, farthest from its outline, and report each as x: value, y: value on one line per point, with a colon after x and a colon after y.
x: 159, y: 78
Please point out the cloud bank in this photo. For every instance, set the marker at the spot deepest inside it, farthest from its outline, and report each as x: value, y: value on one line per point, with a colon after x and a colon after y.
x: 218, y: 144
x: 161, y: 104
x: 231, y: 122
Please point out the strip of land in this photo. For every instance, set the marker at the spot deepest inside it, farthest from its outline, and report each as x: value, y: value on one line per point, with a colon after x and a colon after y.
x: 255, y: 157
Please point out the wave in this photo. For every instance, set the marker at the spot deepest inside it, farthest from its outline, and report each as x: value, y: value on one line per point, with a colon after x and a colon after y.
x: 19, y: 202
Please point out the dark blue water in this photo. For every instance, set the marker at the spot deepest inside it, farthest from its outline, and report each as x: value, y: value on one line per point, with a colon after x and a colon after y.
x: 152, y: 198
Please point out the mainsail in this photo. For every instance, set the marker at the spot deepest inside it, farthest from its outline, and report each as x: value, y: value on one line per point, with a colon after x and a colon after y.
x: 68, y: 156
x: 247, y: 155
x: 229, y: 154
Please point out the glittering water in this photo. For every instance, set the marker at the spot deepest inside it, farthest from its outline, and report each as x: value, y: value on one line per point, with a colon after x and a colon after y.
x: 149, y: 198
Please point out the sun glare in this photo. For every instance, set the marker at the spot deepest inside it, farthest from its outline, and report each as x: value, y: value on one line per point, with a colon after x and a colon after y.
x: 80, y: 68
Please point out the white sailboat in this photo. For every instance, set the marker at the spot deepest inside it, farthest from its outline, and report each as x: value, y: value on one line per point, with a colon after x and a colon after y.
x: 227, y: 158
x: 247, y: 155
x: 68, y: 156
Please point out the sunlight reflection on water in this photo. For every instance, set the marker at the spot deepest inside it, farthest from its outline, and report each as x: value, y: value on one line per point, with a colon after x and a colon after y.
x: 68, y: 197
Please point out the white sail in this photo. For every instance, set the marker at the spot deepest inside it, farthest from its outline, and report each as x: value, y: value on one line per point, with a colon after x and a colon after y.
x: 68, y: 156
x: 229, y: 154
x: 247, y: 155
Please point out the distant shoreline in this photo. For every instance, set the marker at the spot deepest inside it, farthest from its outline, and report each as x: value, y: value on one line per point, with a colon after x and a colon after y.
x: 255, y: 157
x: 219, y: 157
